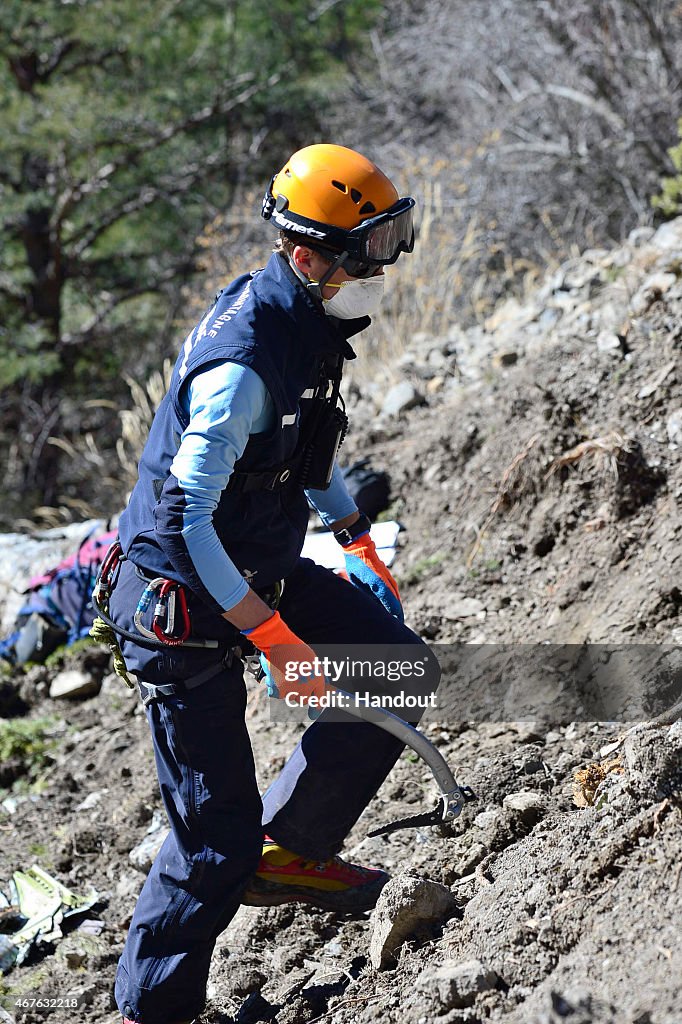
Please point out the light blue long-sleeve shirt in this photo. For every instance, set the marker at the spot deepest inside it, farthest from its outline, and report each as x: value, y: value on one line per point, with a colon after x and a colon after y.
x: 225, y: 404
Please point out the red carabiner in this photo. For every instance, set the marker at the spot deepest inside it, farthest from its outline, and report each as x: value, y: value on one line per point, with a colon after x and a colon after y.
x: 107, y: 569
x: 166, y: 609
x: 110, y: 560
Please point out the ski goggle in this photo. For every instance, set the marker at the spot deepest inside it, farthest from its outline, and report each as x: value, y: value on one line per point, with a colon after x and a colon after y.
x: 376, y: 241
x: 381, y: 239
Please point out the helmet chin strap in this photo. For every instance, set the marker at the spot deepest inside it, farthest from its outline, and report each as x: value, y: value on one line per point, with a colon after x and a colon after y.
x: 315, y: 287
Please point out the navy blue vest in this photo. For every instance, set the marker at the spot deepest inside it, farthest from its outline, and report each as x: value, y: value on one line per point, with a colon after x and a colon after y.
x: 267, y: 321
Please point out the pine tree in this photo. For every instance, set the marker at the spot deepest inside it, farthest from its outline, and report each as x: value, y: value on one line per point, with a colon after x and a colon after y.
x: 124, y: 128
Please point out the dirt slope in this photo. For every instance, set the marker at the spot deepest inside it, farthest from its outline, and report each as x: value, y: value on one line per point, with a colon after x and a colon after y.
x: 539, y: 484
x: 559, y: 542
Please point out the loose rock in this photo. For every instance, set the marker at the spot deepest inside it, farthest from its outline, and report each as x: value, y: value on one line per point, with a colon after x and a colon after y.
x: 463, y: 608
x: 74, y: 684
x: 142, y: 855
x: 408, y: 905
x: 673, y: 427
x: 456, y: 985
x: 526, y: 806
x: 607, y: 341
x: 400, y: 398
x: 652, y: 289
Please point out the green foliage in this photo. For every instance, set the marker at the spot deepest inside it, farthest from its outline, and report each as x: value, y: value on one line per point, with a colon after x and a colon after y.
x: 26, y: 740
x: 72, y: 653
x: 125, y: 128
x: 669, y: 199
x: 420, y: 569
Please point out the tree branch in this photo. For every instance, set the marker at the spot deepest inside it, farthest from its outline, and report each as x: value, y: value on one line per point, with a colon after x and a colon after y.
x: 658, y: 37
x: 178, y: 184
x: 95, y: 59
x: 63, y: 50
x: 546, y: 148
x: 68, y: 200
x: 105, y: 310
x: 582, y: 99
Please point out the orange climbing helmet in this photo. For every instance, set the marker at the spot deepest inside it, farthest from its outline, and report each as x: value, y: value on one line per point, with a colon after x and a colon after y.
x: 343, y: 204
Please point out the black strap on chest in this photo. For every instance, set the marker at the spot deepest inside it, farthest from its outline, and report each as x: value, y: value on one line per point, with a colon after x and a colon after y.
x: 323, y: 413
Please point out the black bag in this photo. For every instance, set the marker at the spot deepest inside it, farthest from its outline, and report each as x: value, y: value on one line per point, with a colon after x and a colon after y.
x: 370, y: 488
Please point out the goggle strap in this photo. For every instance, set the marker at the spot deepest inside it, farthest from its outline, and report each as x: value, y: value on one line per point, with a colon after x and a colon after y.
x: 316, y: 288
x: 332, y: 269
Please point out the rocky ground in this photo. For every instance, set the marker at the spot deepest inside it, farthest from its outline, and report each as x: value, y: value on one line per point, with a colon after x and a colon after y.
x: 535, y: 468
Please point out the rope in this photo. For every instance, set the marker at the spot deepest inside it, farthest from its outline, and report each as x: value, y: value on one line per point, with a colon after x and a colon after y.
x: 104, y: 634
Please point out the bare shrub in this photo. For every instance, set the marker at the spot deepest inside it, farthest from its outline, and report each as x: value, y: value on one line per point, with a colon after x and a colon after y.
x: 546, y: 123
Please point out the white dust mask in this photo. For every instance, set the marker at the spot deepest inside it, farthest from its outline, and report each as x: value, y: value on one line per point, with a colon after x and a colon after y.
x: 360, y: 297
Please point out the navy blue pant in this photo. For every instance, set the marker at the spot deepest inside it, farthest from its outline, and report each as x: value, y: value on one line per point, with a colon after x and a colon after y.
x: 208, y: 786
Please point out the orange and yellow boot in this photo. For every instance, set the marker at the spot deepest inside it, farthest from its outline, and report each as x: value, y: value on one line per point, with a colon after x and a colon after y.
x: 334, y: 884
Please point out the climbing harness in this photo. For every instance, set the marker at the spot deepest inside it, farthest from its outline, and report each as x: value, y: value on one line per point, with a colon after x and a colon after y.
x: 162, y: 635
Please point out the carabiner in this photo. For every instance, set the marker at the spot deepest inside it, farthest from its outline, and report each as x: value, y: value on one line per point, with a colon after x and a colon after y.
x: 166, y: 610
x: 143, y: 605
x: 109, y: 565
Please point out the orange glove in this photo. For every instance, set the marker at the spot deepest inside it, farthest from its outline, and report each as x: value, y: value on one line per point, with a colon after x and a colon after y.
x: 366, y: 570
x: 289, y: 665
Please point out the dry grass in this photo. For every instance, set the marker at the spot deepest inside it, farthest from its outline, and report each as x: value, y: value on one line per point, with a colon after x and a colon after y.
x: 588, y: 780
x: 606, y: 450
x: 136, y: 421
x: 511, y: 484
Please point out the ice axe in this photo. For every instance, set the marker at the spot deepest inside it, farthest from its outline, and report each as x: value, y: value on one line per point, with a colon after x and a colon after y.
x: 452, y: 795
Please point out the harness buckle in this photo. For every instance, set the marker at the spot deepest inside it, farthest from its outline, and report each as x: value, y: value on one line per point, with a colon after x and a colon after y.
x: 279, y: 478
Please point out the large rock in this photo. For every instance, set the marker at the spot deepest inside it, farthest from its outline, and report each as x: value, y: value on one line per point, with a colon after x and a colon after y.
x: 652, y: 289
x: 456, y: 985
x: 652, y: 760
x: 400, y: 398
x: 74, y: 684
x: 669, y: 235
x: 408, y: 905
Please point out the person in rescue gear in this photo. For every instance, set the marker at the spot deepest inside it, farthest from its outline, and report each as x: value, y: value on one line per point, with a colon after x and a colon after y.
x: 210, y: 562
